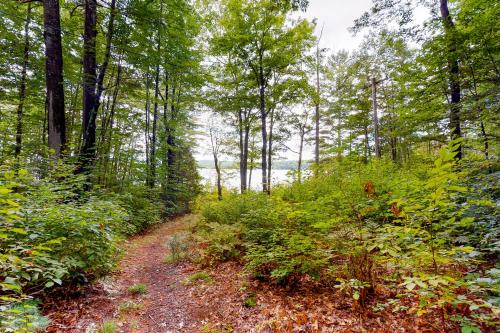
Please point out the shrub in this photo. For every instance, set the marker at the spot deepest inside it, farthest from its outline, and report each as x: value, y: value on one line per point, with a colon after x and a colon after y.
x: 138, y: 289
x: 143, y: 206
x: 197, y: 277
x: 109, y: 326
x: 178, y: 248
x: 222, y: 241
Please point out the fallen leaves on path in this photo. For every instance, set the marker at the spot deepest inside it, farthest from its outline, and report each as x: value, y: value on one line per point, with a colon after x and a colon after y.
x: 228, y: 302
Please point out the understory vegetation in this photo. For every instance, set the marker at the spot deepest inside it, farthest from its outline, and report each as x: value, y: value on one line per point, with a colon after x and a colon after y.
x: 418, y: 238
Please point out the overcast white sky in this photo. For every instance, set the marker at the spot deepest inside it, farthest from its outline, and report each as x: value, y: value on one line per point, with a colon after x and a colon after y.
x: 336, y: 16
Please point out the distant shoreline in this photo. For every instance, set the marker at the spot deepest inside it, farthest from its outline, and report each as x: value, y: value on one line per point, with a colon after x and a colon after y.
x: 234, y: 165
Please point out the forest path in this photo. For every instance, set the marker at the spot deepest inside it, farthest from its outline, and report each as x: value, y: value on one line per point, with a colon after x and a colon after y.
x: 215, y: 304
x: 165, y: 307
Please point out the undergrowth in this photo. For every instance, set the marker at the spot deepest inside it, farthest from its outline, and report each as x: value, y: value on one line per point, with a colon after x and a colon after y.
x: 424, y: 231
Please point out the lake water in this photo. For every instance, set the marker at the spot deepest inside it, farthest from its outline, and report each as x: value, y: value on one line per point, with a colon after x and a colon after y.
x: 231, y: 177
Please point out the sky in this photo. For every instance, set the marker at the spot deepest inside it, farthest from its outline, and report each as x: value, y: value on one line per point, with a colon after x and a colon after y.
x: 335, y: 16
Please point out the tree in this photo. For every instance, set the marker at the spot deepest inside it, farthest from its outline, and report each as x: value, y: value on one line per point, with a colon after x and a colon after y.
x: 54, y: 78
x: 256, y: 34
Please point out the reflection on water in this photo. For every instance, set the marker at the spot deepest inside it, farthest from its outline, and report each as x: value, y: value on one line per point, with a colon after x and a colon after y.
x: 231, y: 177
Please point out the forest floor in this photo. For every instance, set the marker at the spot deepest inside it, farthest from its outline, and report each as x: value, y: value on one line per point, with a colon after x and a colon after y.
x: 228, y: 300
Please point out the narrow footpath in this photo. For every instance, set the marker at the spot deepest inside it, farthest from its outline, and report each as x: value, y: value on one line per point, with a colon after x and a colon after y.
x: 225, y: 300
x: 165, y: 306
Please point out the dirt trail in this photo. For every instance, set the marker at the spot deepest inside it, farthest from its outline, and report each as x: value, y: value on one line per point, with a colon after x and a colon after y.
x: 217, y: 304
x: 166, y: 307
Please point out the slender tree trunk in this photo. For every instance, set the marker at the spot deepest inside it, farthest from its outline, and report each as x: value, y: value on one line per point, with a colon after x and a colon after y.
x: 22, y: 87
x: 87, y: 151
x: 453, y: 75
x: 339, y: 139
x: 171, y: 154
x: 219, y: 182
x: 246, y: 138
x: 263, y: 118
x: 301, y: 148
x: 376, y: 135
x: 107, y: 56
x: 270, y: 151
x: 109, y: 127
x: 367, y: 145
x: 243, y: 146
x: 54, y: 78
x: 317, y: 104
x: 152, y: 155
x: 146, y: 124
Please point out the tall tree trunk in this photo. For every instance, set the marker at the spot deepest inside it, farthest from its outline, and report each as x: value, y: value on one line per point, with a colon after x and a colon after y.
x: 87, y: 151
x: 270, y: 152
x: 22, y: 87
x: 453, y: 75
x: 109, y: 126
x: 54, y: 78
x: 376, y: 135
x: 107, y: 56
x: 316, y: 105
x: 171, y: 154
x: 367, y: 145
x: 152, y: 155
x: 146, y: 125
x: 243, y: 131
x: 263, y: 118
x: 301, y: 148
x: 166, y: 128
x: 339, y: 139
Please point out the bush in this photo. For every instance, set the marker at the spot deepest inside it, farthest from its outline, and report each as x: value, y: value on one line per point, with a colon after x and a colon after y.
x: 49, y: 234
x: 220, y: 241
x: 413, y: 228
x: 143, y: 206
x: 138, y: 289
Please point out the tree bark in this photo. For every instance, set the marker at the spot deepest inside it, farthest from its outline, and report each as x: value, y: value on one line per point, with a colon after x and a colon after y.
x: 376, y: 135
x: 317, y: 103
x: 107, y: 56
x: 270, y: 152
x: 301, y: 148
x: 263, y: 118
x: 54, y: 78
x: 453, y: 75
x: 87, y: 151
x: 146, y: 125
x: 244, y: 132
x: 22, y: 87
x: 152, y: 154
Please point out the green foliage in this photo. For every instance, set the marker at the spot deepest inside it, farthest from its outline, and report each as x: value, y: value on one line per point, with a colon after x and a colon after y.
x: 109, y: 326
x: 129, y: 306
x: 178, y: 248
x: 198, y: 277
x: 222, y: 241
x: 22, y: 317
x: 143, y: 206
x: 353, y: 222
x: 250, y: 301
x: 50, y: 235
x: 138, y: 289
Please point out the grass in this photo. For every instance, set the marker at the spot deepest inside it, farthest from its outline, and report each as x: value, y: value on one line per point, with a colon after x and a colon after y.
x: 178, y: 248
x: 173, y: 259
x: 129, y: 306
x: 250, y: 301
x: 109, y: 326
x: 134, y: 325
x: 138, y: 289
x: 197, y: 277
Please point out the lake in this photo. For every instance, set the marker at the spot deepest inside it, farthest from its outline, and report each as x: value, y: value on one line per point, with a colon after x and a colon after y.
x: 231, y: 177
